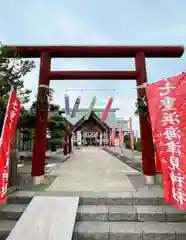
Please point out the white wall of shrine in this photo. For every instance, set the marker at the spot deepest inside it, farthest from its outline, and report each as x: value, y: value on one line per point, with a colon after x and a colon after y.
x: 103, y: 138
x: 78, y: 136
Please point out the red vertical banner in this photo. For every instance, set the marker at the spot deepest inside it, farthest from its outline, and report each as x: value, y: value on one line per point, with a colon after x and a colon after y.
x: 10, y: 121
x: 121, y: 137
x: 107, y: 109
x: 113, y: 136
x: 167, y: 108
x: 131, y: 135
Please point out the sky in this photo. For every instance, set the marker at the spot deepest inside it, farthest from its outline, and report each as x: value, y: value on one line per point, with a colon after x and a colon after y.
x: 98, y: 22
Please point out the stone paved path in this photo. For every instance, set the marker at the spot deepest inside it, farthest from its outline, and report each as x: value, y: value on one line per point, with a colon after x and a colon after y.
x: 92, y: 169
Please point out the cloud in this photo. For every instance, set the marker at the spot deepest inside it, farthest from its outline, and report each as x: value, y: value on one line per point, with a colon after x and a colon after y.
x: 87, y: 22
x: 61, y: 27
x: 126, y: 104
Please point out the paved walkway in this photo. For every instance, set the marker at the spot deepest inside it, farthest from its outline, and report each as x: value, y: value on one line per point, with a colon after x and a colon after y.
x: 92, y: 169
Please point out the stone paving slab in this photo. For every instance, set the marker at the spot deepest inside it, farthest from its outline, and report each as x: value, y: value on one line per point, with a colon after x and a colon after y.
x: 92, y: 169
x: 88, y: 230
x: 157, y: 231
x: 122, y: 213
x: 92, y: 213
x: 125, y: 231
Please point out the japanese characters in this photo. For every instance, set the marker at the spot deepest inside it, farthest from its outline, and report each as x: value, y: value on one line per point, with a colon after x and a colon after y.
x: 170, y: 121
x: 167, y: 108
x: 8, y: 131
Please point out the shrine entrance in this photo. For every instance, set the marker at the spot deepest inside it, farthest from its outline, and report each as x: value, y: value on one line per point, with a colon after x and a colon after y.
x: 139, y: 53
x: 91, y: 139
x: 89, y: 142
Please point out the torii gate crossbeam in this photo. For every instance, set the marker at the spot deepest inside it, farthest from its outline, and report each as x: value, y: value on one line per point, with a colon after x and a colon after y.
x: 139, y: 53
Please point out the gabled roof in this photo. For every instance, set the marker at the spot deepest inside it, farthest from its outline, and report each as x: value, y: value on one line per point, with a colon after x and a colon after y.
x: 74, y: 120
x: 111, y: 121
x: 97, y: 119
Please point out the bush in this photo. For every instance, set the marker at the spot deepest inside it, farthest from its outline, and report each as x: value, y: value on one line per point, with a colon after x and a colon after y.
x: 127, y: 144
x: 138, y: 145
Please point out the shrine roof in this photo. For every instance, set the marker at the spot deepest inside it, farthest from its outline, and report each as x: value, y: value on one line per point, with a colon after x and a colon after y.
x: 111, y: 121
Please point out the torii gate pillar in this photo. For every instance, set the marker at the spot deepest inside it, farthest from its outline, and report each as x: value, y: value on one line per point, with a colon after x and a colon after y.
x: 39, y: 148
x: 148, y: 160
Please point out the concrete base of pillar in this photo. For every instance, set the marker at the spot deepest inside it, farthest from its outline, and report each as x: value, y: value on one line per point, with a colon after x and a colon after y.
x: 38, y: 180
x: 150, y: 180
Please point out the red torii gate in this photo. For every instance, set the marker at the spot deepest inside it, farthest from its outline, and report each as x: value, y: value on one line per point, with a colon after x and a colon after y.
x: 45, y: 53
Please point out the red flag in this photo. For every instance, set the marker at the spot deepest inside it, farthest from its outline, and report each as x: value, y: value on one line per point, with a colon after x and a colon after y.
x: 107, y: 109
x: 11, y: 117
x: 131, y: 135
x: 167, y: 108
x: 121, y: 136
x: 113, y: 136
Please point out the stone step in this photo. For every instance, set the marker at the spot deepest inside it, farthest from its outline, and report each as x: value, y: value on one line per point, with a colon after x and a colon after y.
x: 96, y: 198
x: 20, y: 197
x: 116, y: 230
x: 125, y: 213
x: 129, y: 231
x: 6, y: 227
x: 12, y: 211
x: 113, y: 213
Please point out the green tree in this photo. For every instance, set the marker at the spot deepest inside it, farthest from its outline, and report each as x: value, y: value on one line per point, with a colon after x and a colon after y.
x: 27, y: 119
x: 56, y: 123
x: 26, y: 125
x: 56, y: 131
x: 138, y: 145
x: 127, y: 141
x: 12, y: 73
x: 142, y: 106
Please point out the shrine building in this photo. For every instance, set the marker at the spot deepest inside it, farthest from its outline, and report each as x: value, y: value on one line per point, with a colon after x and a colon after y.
x: 94, y: 131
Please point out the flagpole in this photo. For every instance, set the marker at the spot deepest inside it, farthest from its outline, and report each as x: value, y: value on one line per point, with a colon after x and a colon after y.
x: 131, y: 136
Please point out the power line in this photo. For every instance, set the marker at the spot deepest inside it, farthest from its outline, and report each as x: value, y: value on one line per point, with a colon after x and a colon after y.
x: 93, y: 89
